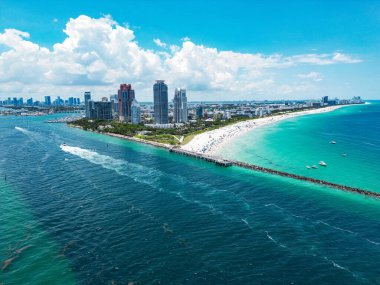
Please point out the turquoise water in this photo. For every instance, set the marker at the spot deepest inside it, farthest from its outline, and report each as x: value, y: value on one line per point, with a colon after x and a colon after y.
x: 106, y: 211
x: 292, y: 144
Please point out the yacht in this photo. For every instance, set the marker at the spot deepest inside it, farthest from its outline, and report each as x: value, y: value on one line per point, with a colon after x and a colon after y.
x: 344, y: 154
x: 322, y: 163
x: 314, y: 166
x: 308, y: 167
x: 333, y: 142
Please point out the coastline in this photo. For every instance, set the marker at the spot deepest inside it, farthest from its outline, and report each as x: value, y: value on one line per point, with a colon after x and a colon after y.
x: 210, y: 142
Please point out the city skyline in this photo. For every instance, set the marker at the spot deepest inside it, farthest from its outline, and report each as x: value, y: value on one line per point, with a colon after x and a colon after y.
x: 324, y: 55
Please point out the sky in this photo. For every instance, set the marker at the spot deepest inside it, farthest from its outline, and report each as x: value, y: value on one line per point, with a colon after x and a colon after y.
x: 217, y: 50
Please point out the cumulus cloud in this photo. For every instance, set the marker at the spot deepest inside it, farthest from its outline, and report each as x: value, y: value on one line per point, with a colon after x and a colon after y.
x: 98, y: 54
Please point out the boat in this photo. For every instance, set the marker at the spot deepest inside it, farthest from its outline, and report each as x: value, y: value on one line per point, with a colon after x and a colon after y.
x: 308, y: 167
x: 314, y: 166
x: 322, y: 163
x: 344, y: 154
x: 333, y: 142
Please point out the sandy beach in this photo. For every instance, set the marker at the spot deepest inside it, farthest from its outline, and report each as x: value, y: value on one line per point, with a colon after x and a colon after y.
x: 210, y: 142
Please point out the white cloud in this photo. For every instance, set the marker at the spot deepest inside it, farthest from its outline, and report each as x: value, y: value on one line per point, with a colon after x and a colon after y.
x: 98, y: 54
x: 323, y: 59
x: 312, y: 76
x: 159, y: 43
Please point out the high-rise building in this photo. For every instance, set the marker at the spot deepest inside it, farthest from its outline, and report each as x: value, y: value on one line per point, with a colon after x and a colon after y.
x: 136, y: 112
x: 115, y: 103
x: 101, y: 110
x: 87, y: 98
x: 199, y: 112
x: 125, y: 95
x: 29, y: 101
x: 325, y: 99
x: 47, y: 100
x: 160, y: 96
x: 180, y: 106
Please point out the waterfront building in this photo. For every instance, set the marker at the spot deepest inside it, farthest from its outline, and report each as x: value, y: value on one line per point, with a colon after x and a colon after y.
x: 29, y: 102
x: 101, y: 110
x: 180, y: 106
x: 227, y: 114
x: 125, y: 97
x: 136, y: 112
x: 325, y: 100
x: 160, y: 96
x: 70, y: 101
x: 259, y: 112
x: 47, y: 100
x: 115, y: 103
x: 87, y: 98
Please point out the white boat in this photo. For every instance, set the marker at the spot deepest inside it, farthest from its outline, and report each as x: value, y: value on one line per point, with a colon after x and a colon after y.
x: 333, y: 142
x: 322, y: 163
x: 344, y: 154
x: 308, y: 167
x: 314, y: 166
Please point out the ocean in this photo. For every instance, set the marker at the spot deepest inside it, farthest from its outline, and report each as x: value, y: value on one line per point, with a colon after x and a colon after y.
x: 101, y: 210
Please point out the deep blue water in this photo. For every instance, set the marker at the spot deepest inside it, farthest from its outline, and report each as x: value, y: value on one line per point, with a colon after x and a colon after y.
x: 106, y: 211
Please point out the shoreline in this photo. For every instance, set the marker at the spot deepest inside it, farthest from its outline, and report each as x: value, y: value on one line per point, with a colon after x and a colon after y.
x: 212, y: 141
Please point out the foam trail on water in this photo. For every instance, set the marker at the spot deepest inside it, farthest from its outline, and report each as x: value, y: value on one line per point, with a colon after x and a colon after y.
x: 25, y: 131
x: 275, y: 241
x: 337, y: 228
x: 139, y: 173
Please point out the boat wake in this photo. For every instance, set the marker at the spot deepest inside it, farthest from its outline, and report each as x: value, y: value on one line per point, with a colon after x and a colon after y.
x: 158, y: 180
x: 25, y: 131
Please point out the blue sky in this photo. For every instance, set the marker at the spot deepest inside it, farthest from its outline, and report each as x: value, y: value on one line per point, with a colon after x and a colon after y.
x: 269, y: 28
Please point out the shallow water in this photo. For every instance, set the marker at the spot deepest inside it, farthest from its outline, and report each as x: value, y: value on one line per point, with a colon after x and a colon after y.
x: 292, y: 144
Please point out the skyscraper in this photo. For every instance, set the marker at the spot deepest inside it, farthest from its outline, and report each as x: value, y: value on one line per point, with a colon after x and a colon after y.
x: 180, y: 106
x: 87, y: 98
x: 125, y: 95
x: 47, y: 100
x: 136, y: 112
x: 160, y: 94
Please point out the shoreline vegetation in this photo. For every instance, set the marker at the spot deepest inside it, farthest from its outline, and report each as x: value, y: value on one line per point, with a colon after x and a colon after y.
x: 203, y: 137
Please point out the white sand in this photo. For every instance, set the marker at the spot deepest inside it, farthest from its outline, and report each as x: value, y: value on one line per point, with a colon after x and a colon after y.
x: 210, y: 142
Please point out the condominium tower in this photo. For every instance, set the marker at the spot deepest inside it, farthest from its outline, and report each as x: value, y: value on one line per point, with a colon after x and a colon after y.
x: 160, y: 94
x: 180, y: 106
x: 125, y: 95
x: 87, y: 99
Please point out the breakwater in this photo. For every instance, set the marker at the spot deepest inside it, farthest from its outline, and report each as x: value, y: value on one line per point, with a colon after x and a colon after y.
x: 217, y: 161
x: 227, y: 163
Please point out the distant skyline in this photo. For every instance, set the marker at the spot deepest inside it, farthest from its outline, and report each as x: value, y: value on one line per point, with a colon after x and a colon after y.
x: 217, y: 50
